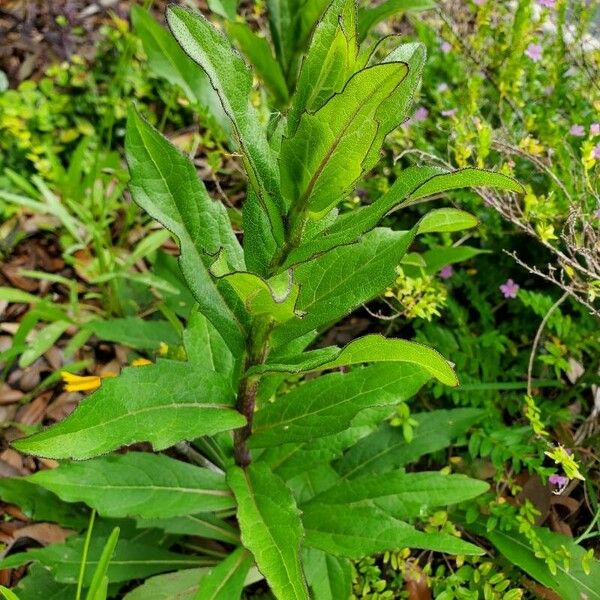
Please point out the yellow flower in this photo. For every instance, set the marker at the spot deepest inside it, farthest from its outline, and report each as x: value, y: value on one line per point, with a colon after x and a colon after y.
x: 140, y: 362
x: 83, y: 383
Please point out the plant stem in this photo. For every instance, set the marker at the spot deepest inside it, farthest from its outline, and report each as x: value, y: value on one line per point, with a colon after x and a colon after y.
x: 86, y: 548
x: 258, y: 348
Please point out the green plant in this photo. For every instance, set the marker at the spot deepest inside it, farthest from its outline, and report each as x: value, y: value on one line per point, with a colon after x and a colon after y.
x: 266, y: 448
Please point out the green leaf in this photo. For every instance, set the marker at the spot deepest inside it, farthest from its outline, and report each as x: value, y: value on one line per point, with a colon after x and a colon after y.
x: 322, y: 161
x: 168, y: 61
x: 398, y: 494
x: 336, y: 283
x: 43, y: 341
x: 370, y: 348
x: 7, y: 594
x: 258, y: 51
x: 131, y: 560
x: 8, y: 294
x: 157, y: 403
x: 386, y: 449
x: 271, y: 528
x: 138, y: 484
x: 226, y: 580
x: 99, y: 583
x: 203, y: 525
x: 412, y: 184
x: 436, y: 258
x: 355, y: 532
x: 40, y: 504
x: 232, y: 81
x: 329, y: 577
x: 327, y: 405
x: 164, y: 183
x: 134, y: 332
x: 225, y: 8
x: 329, y: 62
x: 446, y: 220
x: 180, y: 585
x: 275, y: 298
x: 369, y: 17
x: 570, y: 581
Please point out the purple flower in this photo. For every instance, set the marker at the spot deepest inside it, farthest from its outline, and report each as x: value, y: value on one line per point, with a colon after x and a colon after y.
x: 421, y: 114
x: 595, y: 129
x: 546, y: 3
x: 449, y: 113
x: 446, y: 47
x: 442, y: 87
x: 577, y: 130
x: 534, y: 52
x: 510, y: 289
x: 596, y: 151
x: 559, y: 481
x: 447, y: 272
x: 597, y: 213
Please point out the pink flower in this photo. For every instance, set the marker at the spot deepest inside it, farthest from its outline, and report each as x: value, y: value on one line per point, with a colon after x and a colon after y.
x: 449, y: 113
x: 597, y: 213
x: 421, y: 114
x: 549, y: 90
x: 442, y: 87
x: 595, y: 129
x: 596, y: 151
x: 447, y: 272
x: 510, y: 289
x: 446, y: 47
x: 546, y: 3
x: 559, y: 481
x: 577, y: 130
x: 479, y: 2
x: 534, y: 52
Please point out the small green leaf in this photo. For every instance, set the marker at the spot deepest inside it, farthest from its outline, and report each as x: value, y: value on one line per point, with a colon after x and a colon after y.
x: 271, y: 528
x: 446, y: 220
x: 134, y: 332
x: 138, y: 484
x: 7, y: 594
x: 369, y: 17
x: 180, y: 585
x: 204, y: 525
x: 99, y: 584
x: 43, y: 341
x: 329, y: 577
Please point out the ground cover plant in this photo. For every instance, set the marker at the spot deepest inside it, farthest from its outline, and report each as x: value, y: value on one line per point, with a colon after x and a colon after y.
x: 257, y: 447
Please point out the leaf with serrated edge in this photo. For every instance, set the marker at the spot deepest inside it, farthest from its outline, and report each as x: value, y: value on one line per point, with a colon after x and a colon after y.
x: 370, y: 348
x: 138, y: 484
x: 323, y: 159
x: 155, y: 403
x: 164, y: 183
x: 271, y: 528
x: 226, y: 580
x: 232, y: 81
x: 328, y: 404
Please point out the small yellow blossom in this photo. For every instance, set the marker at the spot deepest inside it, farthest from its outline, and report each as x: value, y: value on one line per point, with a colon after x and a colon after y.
x: 140, y: 362
x: 83, y: 383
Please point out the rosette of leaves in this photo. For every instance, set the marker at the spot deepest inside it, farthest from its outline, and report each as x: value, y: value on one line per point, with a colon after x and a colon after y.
x: 289, y: 484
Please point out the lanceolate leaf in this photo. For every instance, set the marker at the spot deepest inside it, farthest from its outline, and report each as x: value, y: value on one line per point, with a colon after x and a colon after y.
x: 138, y: 484
x: 204, y: 525
x: 324, y: 158
x: 329, y: 62
x: 399, y: 494
x: 386, y: 449
x: 226, y: 580
x: 180, y: 585
x: 336, y: 283
x: 161, y: 404
x: 271, y: 528
x: 355, y: 532
x: 328, y: 404
x: 446, y: 220
x: 370, y: 348
x: 412, y: 184
x: 165, y: 184
x: 170, y: 62
x: 232, y: 81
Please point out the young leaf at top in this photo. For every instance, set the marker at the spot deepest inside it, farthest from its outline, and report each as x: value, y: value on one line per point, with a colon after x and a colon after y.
x: 138, y: 484
x: 165, y: 184
x: 329, y: 62
x: 271, y: 528
x: 232, y: 81
x: 324, y: 158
